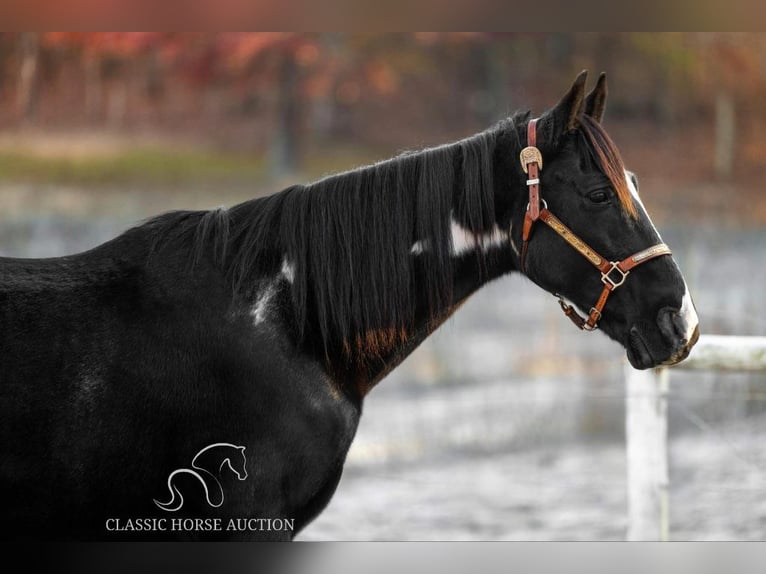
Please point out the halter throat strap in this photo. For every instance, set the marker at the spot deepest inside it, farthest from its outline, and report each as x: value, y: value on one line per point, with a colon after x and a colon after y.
x: 613, y: 273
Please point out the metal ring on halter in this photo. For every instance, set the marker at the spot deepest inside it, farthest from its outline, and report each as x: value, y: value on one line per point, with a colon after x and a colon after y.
x: 542, y: 202
x: 606, y: 279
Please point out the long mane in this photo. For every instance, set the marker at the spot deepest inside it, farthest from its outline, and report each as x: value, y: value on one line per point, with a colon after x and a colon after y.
x: 348, y: 240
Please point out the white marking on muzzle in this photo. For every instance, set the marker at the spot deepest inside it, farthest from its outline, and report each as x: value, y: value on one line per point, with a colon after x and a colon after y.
x: 688, y: 314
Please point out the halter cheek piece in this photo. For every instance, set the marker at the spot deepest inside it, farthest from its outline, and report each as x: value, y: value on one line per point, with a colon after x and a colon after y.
x: 613, y: 273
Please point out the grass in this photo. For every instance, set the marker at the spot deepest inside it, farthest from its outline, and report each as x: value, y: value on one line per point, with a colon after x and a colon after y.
x: 151, y: 166
x: 163, y: 166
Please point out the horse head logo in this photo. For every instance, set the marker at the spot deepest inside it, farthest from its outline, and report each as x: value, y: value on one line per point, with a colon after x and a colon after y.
x: 207, y: 466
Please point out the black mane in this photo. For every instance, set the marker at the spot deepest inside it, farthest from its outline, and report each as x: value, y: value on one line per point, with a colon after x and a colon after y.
x: 349, y: 239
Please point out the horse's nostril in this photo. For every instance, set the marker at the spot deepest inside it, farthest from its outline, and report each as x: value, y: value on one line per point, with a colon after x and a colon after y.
x: 675, y: 327
x: 671, y: 324
x: 678, y: 331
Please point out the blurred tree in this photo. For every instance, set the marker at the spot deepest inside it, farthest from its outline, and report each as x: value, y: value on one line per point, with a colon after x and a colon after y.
x: 663, y: 63
x: 287, y: 139
x: 101, y: 52
x: 717, y: 71
x: 490, y: 100
x: 291, y: 53
x: 29, y: 49
x: 286, y: 93
x: 732, y: 70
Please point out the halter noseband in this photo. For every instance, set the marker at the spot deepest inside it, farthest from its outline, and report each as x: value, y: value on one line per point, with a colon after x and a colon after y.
x: 613, y: 273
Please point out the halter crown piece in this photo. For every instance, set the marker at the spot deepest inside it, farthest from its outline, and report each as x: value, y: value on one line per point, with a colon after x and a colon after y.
x: 613, y: 273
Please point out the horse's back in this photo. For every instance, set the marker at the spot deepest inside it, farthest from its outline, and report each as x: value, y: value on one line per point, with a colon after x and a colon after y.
x: 55, y: 306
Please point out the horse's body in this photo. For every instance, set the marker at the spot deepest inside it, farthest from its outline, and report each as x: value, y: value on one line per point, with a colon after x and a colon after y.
x: 264, y: 325
x: 95, y: 413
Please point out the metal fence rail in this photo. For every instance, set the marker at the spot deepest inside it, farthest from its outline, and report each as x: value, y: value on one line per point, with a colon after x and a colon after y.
x: 646, y: 427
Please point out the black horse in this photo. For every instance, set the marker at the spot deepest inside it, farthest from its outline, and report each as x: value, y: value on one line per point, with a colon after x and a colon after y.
x: 266, y: 324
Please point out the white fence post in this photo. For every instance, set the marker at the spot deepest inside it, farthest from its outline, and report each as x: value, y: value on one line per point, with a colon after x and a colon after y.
x: 646, y: 433
x: 646, y: 426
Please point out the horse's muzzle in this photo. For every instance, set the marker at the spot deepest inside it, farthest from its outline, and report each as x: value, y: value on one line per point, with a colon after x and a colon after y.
x: 672, y: 341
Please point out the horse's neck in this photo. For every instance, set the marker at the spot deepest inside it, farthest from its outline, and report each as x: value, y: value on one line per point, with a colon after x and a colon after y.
x: 403, y: 282
x: 472, y: 270
x: 475, y: 260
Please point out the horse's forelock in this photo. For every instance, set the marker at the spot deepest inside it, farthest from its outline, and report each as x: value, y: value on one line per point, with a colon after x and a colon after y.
x: 609, y: 161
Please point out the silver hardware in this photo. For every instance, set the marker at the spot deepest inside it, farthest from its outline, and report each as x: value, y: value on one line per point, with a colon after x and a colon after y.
x: 606, y: 279
x: 543, y: 204
x: 585, y: 326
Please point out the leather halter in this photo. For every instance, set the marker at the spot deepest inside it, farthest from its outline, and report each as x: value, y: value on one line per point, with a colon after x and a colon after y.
x: 613, y: 273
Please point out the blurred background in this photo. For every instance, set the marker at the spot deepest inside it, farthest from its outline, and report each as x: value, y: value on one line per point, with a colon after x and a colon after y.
x: 508, y: 423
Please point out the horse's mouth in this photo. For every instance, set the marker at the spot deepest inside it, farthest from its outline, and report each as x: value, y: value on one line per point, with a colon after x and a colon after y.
x: 638, y: 352
x: 640, y: 356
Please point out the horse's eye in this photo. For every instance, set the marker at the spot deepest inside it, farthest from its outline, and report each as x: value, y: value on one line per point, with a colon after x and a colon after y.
x: 599, y: 197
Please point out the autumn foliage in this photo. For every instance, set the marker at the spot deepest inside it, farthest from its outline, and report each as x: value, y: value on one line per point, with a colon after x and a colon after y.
x: 286, y: 92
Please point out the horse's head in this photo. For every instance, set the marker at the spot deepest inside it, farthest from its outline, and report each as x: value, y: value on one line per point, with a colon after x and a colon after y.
x: 238, y: 462
x: 584, y: 184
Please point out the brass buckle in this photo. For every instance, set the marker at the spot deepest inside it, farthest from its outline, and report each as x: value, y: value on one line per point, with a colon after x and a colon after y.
x: 531, y: 154
x: 607, y: 280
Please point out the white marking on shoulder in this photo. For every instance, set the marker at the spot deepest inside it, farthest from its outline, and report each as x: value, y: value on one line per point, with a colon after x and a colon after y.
x: 417, y: 248
x: 688, y: 313
x: 288, y: 270
x: 260, y: 310
x: 513, y: 243
x: 464, y: 240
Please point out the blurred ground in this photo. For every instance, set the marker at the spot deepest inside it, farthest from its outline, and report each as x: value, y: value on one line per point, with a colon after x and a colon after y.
x: 550, y: 491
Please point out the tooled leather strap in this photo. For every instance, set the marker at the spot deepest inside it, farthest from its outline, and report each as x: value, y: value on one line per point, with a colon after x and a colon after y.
x: 532, y: 163
x: 613, y: 273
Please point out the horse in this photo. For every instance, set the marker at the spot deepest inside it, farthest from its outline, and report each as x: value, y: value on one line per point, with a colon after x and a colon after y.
x: 267, y: 323
x: 214, y: 456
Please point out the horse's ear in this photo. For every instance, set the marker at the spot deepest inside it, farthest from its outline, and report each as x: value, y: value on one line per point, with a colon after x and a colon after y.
x: 595, y: 102
x: 564, y: 116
